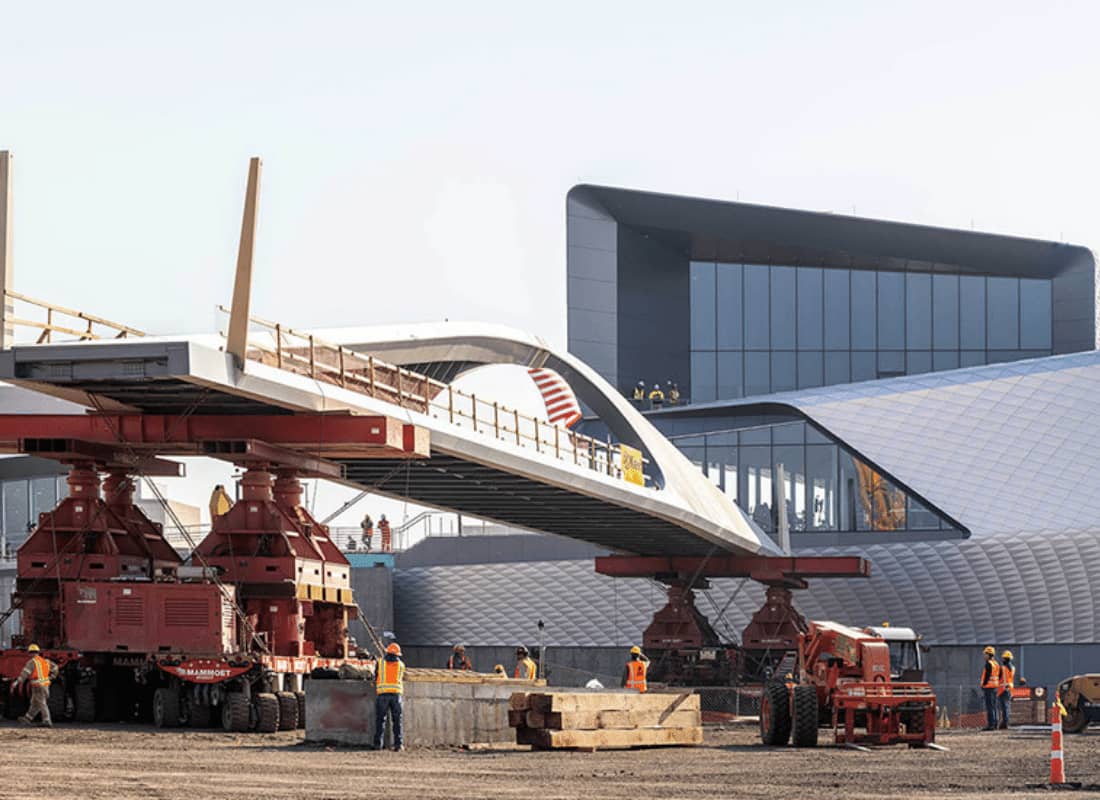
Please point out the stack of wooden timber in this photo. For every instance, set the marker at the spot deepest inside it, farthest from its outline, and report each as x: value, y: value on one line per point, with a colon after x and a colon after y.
x: 414, y: 674
x: 591, y: 720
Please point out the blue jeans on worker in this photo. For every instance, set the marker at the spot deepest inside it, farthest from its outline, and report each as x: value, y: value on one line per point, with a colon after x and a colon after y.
x: 990, y: 707
x: 387, y: 704
x: 1004, y: 700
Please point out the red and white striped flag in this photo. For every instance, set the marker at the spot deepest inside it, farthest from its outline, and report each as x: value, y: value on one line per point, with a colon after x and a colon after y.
x: 561, y: 403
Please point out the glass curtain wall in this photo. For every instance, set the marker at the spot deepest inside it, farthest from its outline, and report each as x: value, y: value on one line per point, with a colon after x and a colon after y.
x: 758, y: 329
x: 824, y: 486
x: 21, y: 501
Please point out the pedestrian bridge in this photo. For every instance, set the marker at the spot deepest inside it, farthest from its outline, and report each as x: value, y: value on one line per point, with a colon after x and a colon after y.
x: 486, y: 460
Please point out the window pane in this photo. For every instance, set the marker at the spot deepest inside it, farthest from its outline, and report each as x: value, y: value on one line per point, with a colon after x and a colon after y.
x: 972, y: 312
x: 863, y: 367
x: 729, y: 307
x: 837, y: 368
x: 863, y: 310
x: 704, y: 383
x: 821, y: 476
x: 855, y: 508
x: 810, y: 312
x: 1003, y: 329
x: 972, y: 358
x: 810, y: 369
x: 837, y: 309
x: 890, y: 364
x: 702, y: 306
x: 1035, y: 314
x: 783, y: 372
x: 918, y: 311
x: 43, y: 496
x: 757, y: 303
x: 783, y: 308
x: 754, y: 490
x: 891, y: 310
x: 793, y: 457
x: 920, y: 518
x: 948, y: 359
x: 945, y: 312
x: 757, y: 374
x: 918, y: 362
x: 17, y: 512
x: 789, y: 433
x: 729, y: 376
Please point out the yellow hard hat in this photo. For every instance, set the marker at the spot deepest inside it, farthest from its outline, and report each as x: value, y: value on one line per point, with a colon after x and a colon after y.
x: 499, y: 668
x: 989, y: 651
x: 635, y: 650
x: 1006, y: 654
x: 32, y: 649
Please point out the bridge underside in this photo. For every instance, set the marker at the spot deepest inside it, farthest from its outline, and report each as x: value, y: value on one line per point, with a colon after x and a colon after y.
x: 448, y: 482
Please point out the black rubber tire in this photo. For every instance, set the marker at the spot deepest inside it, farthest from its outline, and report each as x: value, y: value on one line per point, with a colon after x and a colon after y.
x: 301, y: 709
x: 236, y: 713
x: 84, y: 703
x: 1075, y: 720
x: 775, y: 715
x: 200, y: 715
x: 804, y: 716
x: 56, y: 702
x: 288, y: 711
x: 166, y: 708
x: 267, y: 712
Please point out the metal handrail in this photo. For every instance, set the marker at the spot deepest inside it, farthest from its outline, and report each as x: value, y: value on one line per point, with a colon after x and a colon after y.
x: 341, y: 366
x: 49, y: 327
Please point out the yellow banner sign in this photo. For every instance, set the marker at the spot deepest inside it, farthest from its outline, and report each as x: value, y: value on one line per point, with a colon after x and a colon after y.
x: 631, y: 461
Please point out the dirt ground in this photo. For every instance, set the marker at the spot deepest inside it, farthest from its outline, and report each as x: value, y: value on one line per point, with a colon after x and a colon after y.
x: 117, y: 761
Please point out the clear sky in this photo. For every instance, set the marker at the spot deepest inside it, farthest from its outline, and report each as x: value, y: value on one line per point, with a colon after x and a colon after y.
x: 417, y: 156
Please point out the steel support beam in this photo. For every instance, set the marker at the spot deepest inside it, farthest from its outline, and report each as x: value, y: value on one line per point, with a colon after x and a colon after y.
x: 789, y: 571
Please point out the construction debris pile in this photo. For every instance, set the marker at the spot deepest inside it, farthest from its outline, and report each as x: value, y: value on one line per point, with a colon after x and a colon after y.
x: 594, y: 720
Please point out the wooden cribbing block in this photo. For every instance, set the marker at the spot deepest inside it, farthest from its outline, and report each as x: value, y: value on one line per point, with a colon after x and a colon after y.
x: 612, y: 701
x: 641, y: 737
x: 519, y: 701
x: 612, y: 719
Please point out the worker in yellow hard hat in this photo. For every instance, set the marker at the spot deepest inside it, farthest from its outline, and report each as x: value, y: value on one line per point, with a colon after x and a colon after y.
x: 991, y: 684
x: 389, y: 686
x: 1004, y: 691
x: 526, y: 668
x: 499, y: 671
x: 634, y: 673
x: 39, y: 672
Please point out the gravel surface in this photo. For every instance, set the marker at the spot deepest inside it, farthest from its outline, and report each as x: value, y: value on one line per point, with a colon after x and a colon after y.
x: 118, y: 761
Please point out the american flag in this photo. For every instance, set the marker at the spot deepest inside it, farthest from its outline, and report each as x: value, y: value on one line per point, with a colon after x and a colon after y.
x: 561, y: 403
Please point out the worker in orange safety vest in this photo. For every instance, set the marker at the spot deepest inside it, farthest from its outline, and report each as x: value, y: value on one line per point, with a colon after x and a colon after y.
x: 1007, y: 683
x: 459, y: 659
x: 389, y: 686
x: 526, y: 668
x: 635, y: 670
x: 39, y: 672
x: 991, y: 684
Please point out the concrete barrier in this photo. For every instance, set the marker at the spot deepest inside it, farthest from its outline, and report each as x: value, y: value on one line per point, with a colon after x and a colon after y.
x: 436, y: 713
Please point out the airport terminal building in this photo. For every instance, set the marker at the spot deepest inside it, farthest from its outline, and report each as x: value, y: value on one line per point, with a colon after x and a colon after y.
x: 929, y: 397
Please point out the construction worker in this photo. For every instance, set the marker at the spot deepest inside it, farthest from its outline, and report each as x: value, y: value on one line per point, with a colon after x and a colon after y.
x: 498, y: 670
x: 389, y: 685
x: 458, y: 659
x: 384, y: 532
x: 1004, y: 691
x: 367, y: 527
x: 656, y: 396
x: 39, y: 671
x: 526, y: 669
x: 639, y: 394
x: 673, y: 394
x: 635, y: 670
x: 220, y: 501
x: 991, y: 683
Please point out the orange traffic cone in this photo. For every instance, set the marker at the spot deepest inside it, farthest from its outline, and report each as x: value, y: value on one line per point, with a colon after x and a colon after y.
x: 1057, y: 767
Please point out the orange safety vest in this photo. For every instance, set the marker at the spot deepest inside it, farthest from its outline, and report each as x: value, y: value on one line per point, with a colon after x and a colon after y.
x: 526, y: 670
x: 1008, y: 675
x: 994, y: 681
x: 390, y: 678
x: 41, y: 671
x: 635, y: 676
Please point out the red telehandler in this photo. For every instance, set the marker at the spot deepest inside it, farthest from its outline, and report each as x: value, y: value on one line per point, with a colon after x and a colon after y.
x: 844, y: 682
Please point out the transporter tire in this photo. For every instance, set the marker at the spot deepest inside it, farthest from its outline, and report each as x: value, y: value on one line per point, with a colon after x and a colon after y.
x: 288, y: 711
x: 84, y: 703
x: 301, y: 697
x: 804, y: 719
x: 775, y: 715
x: 57, y: 701
x: 1075, y: 720
x: 166, y: 708
x: 200, y: 715
x: 236, y: 713
x: 267, y: 713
